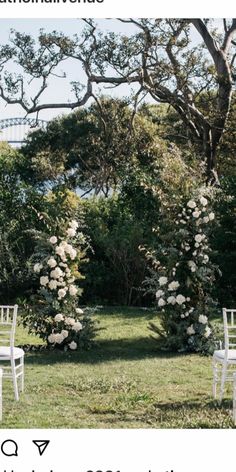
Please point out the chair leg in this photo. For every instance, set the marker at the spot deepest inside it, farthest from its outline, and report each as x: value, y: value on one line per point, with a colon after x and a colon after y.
x: 14, y: 379
x: 234, y: 399
x: 22, y: 374
x: 223, y: 377
x: 215, y: 377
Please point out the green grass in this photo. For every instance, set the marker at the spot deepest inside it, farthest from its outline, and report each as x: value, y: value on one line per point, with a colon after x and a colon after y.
x: 123, y: 382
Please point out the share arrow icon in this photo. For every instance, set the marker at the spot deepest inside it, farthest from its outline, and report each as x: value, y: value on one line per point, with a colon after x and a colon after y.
x: 41, y: 445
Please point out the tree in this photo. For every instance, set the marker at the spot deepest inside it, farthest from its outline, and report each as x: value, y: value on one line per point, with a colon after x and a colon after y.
x: 160, y: 58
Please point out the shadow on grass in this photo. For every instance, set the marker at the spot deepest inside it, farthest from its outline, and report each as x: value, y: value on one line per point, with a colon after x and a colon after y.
x: 104, y: 351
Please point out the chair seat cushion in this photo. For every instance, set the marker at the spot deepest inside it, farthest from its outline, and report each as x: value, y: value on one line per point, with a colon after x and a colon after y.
x: 5, y: 353
x: 220, y: 354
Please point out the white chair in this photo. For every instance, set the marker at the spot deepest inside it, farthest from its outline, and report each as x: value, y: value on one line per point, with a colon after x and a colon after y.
x: 234, y: 399
x: 223, y: 359
x: 9, y: 353
x: 0, y: 394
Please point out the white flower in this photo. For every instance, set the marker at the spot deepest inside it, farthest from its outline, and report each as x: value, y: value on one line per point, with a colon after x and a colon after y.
x: 70, y: 321
x: 171, y: 300
x: 190, y: 330
x: 73, y: 254
x: 163, y: 281
x: 79, y: 311
x: 71, y: 280
x: 203, y: 319
x: 59, y: 317
x: 53, y: 240
x: 161, y: 302
x: 60, y: 251
x: 71, y: 232
x: 191, y: 204
x: 211, y: 216
x: 159, y: 293
x: 61, y: 293
x: 196, y: 214
x: 173, y: 285
x: 198, y: 238
x: 59, y: 338
x: 207, y: 332
x: 203, y: 201
x: 51, y: 262
x: 180, y: 299
x: 56, y: 273
x: 73, y: 345
x: 74, y: 224
x: 51, y: 338
x: 205, y: 259
x: 188, y: 299
x: 205, y: 219
x: 73, y: 290
x: 64, y: 333
x: 52, y: 284
x: 77, y: 326
x: 44, y: 280
x: 37, y: 267
x: 187, y: 247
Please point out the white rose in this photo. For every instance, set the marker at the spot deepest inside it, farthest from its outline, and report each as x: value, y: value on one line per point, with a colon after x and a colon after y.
x: 73, y: 290
x: 211, y: 216
x: 59, y: 317
x: 180, y: 299
x: 53, y: 240
x: 60, y: 251
x: 74, y: 224
x: 205, y: 219
x: 191, y: 204
x: 198, y: 238
x: 207, y: 332
x: 77, y: 326
x: 59, y: 338
x: 56, y: 273
x: 71, y: 232
x: 190, y: 330
x: 163, y: 281
x: 73, y: 345
x: 203, y: 319
x: 61, y: 293
x: 196, y: 214
x: 173, y: 285
x: 51, y: 262
x: 79, y: 311
x: 161, y: 302
x: 171, y: 300
x: 203, y: 201
x: 51, y: 338
x: 73, y: 254
x: 44, y: 280
x: 37, y: 267
x: 70, y: 321
x: 159, y: 293
x: 65, y: 333
x: 52, y: 284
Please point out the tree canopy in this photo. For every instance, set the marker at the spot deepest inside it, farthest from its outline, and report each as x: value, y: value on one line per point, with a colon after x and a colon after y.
x: 160, y: 58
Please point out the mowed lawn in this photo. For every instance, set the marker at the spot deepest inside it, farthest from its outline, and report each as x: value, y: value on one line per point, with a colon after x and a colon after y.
x: 123, y: 382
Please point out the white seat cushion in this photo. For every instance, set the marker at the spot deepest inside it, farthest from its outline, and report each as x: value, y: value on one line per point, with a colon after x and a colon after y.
x: 5, y: 353
x: 221, y: 354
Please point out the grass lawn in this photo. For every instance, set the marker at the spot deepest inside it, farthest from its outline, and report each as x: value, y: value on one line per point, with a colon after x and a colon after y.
x: 123, y: 382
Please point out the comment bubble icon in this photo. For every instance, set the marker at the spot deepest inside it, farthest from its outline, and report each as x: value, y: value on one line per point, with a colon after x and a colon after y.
x: 9, y: 448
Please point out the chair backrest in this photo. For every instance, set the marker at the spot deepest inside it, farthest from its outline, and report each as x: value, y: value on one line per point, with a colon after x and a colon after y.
x: 229, y: 319
x: 8, y: 316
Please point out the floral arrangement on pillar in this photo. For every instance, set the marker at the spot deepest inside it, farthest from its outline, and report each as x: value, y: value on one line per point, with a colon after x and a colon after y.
x: 55, y: 315
x: 182, y: 277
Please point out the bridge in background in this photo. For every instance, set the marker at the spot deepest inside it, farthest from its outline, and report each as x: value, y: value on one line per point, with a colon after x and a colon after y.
x: 15, y: 130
